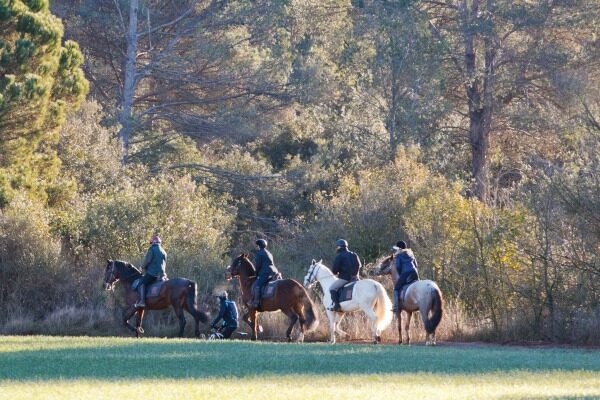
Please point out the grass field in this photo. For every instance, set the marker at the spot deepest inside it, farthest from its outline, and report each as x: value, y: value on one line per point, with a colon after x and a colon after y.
x: 36, y: 367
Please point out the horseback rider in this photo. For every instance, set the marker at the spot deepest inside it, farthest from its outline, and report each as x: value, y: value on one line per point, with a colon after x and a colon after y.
x: 406, y: 265
x: 265, y: 271
x: 229, y: 313
x: 346, y: 266
x: 154, y: 265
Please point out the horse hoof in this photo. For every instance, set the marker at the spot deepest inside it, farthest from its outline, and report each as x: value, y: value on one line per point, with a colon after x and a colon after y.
x: 377, y: 339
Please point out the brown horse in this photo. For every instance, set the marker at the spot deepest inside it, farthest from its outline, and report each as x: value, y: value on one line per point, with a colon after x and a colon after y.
x: 179, y: 293
x: 424, y: 296
x: 290, y: 297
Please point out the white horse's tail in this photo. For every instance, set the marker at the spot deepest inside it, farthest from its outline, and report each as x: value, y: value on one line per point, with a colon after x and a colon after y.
x: 383, y: 308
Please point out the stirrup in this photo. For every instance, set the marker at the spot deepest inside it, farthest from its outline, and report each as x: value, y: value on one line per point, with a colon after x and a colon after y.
x: 335, y: 307
x: 139, y: 305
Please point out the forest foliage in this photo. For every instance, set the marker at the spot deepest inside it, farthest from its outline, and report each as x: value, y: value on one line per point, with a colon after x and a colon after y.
x: 468, y: 128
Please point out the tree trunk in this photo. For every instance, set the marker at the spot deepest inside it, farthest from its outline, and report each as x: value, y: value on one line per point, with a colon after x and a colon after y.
x: 479, y: 96
x: 126, y: 117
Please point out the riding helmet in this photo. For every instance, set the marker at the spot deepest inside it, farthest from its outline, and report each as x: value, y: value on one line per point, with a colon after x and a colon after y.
x: 401, y: 244
x: 262, y: 243
x: 341, y: 243
x: 155, y: 240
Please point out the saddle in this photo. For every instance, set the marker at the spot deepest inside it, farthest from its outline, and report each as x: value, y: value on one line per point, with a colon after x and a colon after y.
x: 152, y: 290
x: 404, y: 288
x: 345, y: 292
x: 269, y: 289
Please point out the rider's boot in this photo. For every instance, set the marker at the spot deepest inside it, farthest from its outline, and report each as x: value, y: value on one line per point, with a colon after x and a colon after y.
x: 255, y: 296
x: 335, y: 302
x: 142, y: 302
x: 396, y: 301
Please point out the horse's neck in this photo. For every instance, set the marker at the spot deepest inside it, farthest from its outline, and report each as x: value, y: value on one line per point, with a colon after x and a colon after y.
x: 326, y: 278
x: 247, y: 279
x: 394, y: 273
x: 128, y: 276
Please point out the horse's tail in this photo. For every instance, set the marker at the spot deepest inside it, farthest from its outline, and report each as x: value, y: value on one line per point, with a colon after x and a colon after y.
x: 437, y: 309
x: 311, y: 314
x: 192, y: 294
x: 383, y: 307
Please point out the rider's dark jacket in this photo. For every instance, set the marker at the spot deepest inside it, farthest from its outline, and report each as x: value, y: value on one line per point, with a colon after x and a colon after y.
x: 406, y: 265
x: 263, y: 262
x: 346, y: 265
x: 228, y: 312
x: 155, y: 261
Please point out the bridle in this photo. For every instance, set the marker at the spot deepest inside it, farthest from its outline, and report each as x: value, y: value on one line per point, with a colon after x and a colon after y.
x: 110, y: 283
x: 312, y: 274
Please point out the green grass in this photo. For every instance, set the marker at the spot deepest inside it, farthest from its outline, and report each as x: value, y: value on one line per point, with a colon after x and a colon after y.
x: 114, y: 368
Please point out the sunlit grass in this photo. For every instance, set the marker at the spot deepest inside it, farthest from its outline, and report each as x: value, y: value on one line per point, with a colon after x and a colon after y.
x: 113, y: 368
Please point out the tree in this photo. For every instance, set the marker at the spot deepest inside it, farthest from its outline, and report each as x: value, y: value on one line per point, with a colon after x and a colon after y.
x: 201, y: 68
x: 40, y: 81
x: 503, y: 62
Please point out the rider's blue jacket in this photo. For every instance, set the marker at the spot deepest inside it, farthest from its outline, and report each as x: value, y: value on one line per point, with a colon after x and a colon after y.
x: 406, y: 262
x: 228, y: 312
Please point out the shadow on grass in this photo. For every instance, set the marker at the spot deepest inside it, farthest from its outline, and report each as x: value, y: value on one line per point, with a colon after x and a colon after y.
x: 154, y: 359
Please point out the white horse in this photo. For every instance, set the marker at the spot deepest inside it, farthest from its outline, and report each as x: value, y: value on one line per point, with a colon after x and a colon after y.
x: 367, y: 295
x: 424, y: 296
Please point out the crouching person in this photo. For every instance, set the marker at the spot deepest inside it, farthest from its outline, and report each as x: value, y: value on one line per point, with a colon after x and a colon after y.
x: 229, y: 314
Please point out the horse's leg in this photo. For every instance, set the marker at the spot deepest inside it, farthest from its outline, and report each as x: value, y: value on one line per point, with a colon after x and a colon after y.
x: 332, y: 324
x: 339, y: 330
x: 399, y: 316
x: 299, y: 309
x: 140, y: 319
x: 127, y: 314
x: 424, y: 317
x: 293, y: 318
x: 373, y: 318
x: 179, y: 312
x: 253, y: 314
x: 407, y: 326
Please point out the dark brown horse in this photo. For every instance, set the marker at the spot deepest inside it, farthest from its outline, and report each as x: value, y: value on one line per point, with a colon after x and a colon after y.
x: 179, y: 293
x: 290, y: 297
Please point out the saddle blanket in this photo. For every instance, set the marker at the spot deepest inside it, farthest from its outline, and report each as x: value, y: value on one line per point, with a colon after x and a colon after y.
x: 151, y: 291
x: 269, y: 289
x: 345, y: 292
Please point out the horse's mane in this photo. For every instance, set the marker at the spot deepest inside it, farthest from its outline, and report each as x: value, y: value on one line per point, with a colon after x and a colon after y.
x: 246, y: 257
x: 130, y: 270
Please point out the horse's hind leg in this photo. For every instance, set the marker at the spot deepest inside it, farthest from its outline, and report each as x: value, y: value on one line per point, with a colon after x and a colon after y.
x: 407, y: 326
x: 339, y: 330
x: 181, y: 316
x: 399, y: 316
x: 373, y: 318
x: 293, y: 319
x: 300, y: 312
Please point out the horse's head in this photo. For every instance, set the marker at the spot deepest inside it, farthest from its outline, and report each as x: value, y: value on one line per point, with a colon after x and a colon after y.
x: 384, y: 266
x: 311, y: 275
x: 111, y: 275
x: 239, y: 265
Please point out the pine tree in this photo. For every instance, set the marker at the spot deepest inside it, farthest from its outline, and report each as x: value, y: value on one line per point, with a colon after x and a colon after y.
x: 40, y: 81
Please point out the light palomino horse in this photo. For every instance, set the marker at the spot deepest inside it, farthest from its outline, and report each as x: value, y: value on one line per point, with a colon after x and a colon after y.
x: 367, y: 295
x: 424, y: 296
